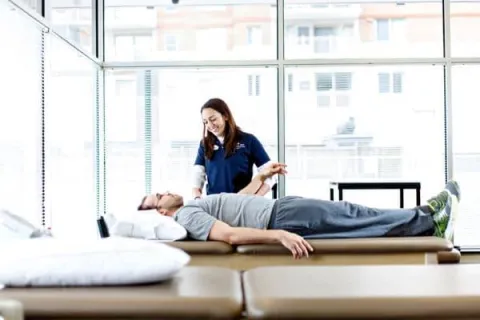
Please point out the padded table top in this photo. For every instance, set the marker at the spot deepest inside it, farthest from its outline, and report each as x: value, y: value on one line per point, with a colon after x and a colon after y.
x: 363, y: 292
x: 195, y: 292
x: 365, y: 245
x: 202, y: 247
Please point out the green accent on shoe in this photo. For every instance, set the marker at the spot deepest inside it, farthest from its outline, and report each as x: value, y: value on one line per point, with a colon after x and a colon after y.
x: 438, y: 203
x: 444, y: 220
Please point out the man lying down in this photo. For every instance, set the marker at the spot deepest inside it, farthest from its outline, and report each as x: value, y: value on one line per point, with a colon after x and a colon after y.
x: 244, y: 218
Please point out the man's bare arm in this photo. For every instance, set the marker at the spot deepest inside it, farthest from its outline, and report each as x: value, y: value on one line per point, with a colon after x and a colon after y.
x: 254, y: 186
x: 236, y: 236
x: 258, y: 185
x: 263, y: 190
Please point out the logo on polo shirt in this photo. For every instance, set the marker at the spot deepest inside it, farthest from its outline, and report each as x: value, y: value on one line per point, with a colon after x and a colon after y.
x: 215, y: 147
x: 240, y: 146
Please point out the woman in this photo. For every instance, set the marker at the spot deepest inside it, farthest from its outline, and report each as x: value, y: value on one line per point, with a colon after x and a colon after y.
x: 226, y: 154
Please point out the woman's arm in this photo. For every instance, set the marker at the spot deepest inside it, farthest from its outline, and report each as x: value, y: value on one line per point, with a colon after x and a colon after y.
x: 199, y: 178
x: 199, y: 175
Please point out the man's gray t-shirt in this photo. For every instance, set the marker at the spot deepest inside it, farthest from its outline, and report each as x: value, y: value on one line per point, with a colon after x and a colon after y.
x: 236, y: 210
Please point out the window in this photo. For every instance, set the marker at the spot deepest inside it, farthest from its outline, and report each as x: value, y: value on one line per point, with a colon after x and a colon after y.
x: 129, y: 47
x: 20, y: 160
x: 324, y: 81
x: 254, y: 35
x: 125, y: 88
x: 70, y: 97
x: 464, y: 26
x: 303, y: 35
x: 123, y: 113
x: 390, y: 29
x: 304, y: 85
x: 324, y: 39
x: 73, y: 20
x: 212, y: 42
x: 332, y: 89
x: 32, y: 4
x: 466, y: 151
x: 170, y: 43
x: 213, y: 32
x: 253, y: 85
x: 162, y: 158
x: 390, y: 82
x: 376, y: 29
x: 339, y: 81
x: 379, y: 148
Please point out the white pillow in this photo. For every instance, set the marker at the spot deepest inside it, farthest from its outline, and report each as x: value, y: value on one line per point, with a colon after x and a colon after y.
x: 146, y: 224
x: 14, y: 226
x: 108, y: 261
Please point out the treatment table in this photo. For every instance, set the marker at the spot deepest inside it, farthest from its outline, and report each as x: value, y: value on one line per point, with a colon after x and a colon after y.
x: 363, y: 292
x: 194, y: 293
x: 282, y: 292
x: 384, y: 251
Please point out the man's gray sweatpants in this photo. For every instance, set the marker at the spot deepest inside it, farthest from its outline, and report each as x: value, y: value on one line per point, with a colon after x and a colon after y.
x: 314, y: 219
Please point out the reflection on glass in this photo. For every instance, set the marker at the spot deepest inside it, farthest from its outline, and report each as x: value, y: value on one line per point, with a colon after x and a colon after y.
x: 154, y: 125
x: 363, y: 29
x: 466, y: 150
x: 177, y: 32
x: 69, y: 120
x: 20, y: 105
x: 364, y: 123
x: 464, y: 26
x: 72, y: 20
x: 32, y: 4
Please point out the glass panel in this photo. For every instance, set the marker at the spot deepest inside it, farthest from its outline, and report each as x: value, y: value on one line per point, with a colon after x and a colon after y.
x: 73, y: 20
x: 466, y: 150
x: 154, y: 125
x: 362, y: 132
x: 363, y: 29
x: 32, y: 4
x: 20, y: 117
x: 464, y: 25
x: 69, y: 121
x: 158, y: 30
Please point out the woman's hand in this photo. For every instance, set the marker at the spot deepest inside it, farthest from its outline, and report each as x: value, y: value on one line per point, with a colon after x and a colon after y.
x: 273, y: 169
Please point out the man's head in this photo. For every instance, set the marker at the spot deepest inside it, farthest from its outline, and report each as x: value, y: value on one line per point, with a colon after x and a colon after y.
x: 165, y: 203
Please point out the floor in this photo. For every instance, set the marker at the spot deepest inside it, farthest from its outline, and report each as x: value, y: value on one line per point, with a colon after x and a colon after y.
x: 470, y: 258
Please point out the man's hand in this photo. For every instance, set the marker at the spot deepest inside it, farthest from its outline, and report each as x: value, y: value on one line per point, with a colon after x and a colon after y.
x: 295, y: 243
x: 272, y: 169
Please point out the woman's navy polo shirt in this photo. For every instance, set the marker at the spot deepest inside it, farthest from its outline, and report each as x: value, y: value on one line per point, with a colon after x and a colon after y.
x: 235, y: 172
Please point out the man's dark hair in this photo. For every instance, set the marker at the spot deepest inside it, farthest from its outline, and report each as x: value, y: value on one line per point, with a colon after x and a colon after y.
x: 141, y: 207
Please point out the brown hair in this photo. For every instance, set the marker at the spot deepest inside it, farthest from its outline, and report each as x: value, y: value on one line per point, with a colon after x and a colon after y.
x: 232, y: 131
